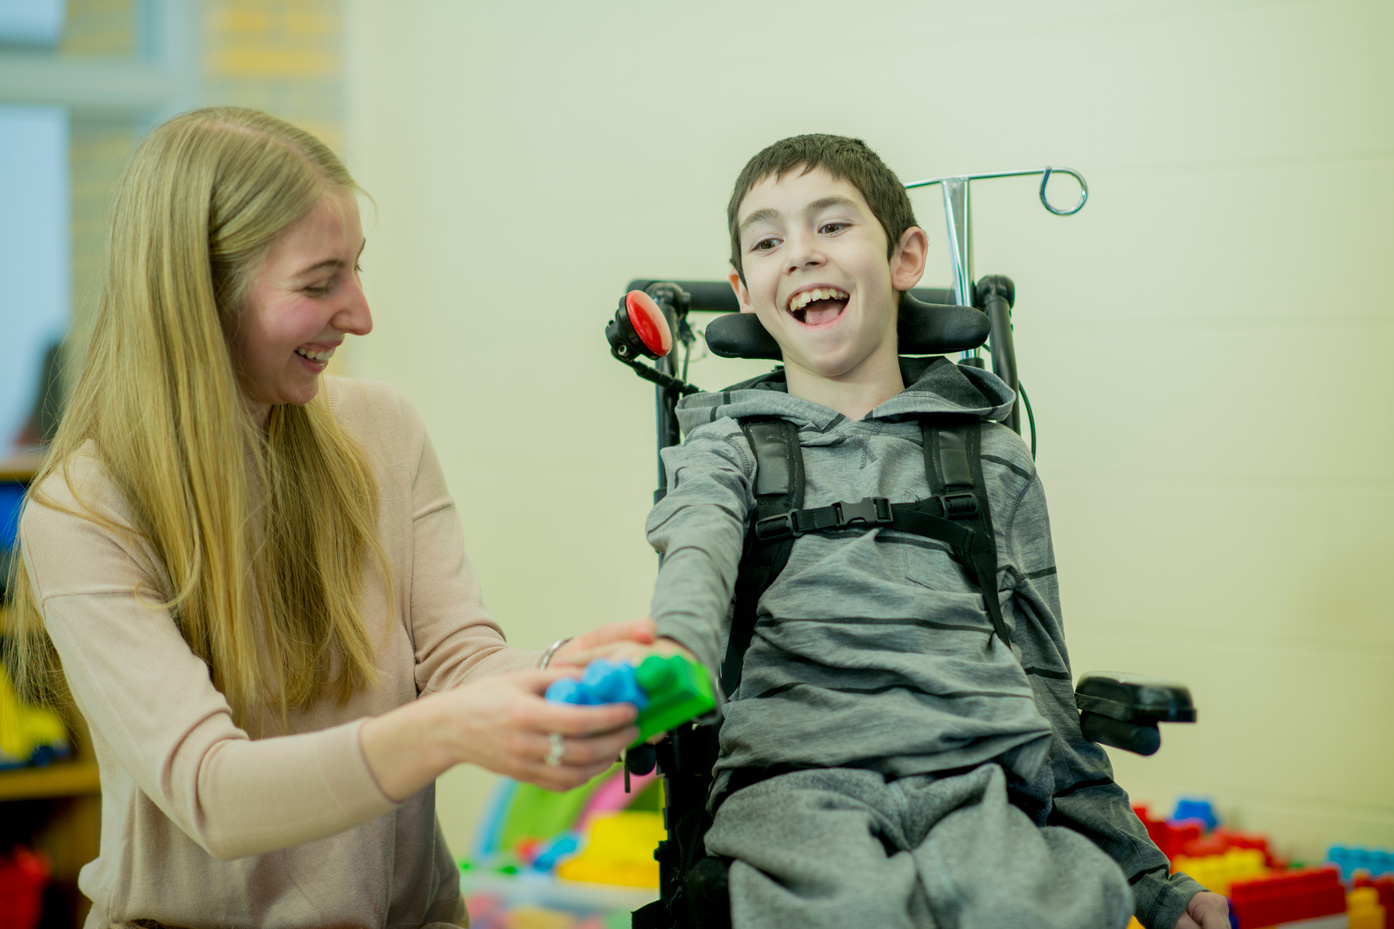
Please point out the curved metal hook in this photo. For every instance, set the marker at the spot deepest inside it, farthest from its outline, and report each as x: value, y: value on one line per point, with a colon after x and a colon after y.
x: 962, y: 180
x: 1083, y: 191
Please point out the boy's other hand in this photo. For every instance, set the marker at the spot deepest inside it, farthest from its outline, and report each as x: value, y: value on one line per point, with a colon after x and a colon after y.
x: 581, y: 650
x: 1205, y: 911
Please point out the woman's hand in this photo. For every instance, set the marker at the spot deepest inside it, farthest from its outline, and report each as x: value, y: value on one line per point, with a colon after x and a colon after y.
x: 502, y: 723
x: 1205, y: 911
x: 607, y: 642
x: 601, y: 641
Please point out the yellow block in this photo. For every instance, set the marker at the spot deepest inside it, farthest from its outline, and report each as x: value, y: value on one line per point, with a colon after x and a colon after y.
x: 1217, y: 872
x: 1364, y: 910
x: 619, y: 851
x: 25, y: 728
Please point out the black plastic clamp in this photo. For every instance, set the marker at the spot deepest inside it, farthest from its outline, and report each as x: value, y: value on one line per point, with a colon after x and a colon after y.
x: 960, y: 505
x: 868, y: 511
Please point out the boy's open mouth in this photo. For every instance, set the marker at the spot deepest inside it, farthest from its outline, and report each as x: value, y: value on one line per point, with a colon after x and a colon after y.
x: 819, y: 305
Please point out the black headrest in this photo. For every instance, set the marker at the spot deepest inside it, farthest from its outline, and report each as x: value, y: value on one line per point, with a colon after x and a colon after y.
x: 925, y: 329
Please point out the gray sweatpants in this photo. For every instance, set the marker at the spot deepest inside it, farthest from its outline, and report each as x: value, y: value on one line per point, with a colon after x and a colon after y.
x: 842, y: 847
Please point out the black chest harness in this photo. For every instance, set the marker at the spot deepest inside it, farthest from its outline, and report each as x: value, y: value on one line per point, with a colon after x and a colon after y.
x: 956, y: 514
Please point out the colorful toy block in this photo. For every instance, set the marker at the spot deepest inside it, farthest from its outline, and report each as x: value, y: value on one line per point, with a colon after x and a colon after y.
x: 1364, y: 910
x: 1169, y: 837
x: 1384, y: 889
x: 23, y: 876
x: 1352, y: 858
x: 29, y: 735
x: 1218, y: 872
x: 620, y: 851
x: 1286, y: 898
x: 602, y: 682
x: 1223, y: 839
x: 667, y: 691
x: 1196, y: 808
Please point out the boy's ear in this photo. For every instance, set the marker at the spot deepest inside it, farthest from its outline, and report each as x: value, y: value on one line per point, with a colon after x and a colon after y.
x: 908, y: 261
x: 742, y: 295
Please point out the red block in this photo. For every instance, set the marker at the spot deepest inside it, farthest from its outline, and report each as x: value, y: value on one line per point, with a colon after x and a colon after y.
x: 1223, y: 839
x: 23, y: 875
x: 1384, y: 886
x: 1280, y: 898
x: 1169, y: 837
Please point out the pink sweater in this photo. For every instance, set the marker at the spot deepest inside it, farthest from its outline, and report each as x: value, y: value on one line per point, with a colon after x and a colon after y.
x: 203, y: 825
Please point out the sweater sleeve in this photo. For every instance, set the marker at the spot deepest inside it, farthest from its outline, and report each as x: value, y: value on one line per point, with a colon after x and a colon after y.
x: 1082, y: 793
x: 699, y: 526
x: 138, y: 684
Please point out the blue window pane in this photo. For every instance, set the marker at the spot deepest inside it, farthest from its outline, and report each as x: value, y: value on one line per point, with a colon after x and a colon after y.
x: 31, y: 22
x: 35, y: 255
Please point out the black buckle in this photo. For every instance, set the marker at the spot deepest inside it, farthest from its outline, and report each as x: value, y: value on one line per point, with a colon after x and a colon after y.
x: 776, y: 526
x: 868, y: 511
x: 960, y: 505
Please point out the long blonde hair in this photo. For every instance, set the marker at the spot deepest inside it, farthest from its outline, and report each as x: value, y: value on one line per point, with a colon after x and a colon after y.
x: 264, y: 584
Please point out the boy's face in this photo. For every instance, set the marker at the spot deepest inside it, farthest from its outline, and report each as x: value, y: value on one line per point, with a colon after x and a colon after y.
x: 817, y: 273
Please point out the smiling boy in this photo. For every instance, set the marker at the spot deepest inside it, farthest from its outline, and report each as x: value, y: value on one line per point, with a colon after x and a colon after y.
x: 824, y: 276
x: 886, y: 760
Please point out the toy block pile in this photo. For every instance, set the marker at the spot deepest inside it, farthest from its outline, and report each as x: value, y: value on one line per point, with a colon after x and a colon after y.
x: 1354, y: 891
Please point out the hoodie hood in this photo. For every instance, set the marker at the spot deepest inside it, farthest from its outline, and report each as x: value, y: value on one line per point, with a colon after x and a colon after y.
x: 937, y: 385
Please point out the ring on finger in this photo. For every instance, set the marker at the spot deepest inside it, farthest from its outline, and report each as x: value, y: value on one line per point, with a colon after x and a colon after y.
x: 556, y: 748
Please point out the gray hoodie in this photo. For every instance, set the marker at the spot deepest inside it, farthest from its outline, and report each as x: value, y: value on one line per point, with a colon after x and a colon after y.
x: 872, y: 648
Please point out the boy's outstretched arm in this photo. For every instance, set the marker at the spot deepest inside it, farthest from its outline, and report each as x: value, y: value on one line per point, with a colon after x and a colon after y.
x: 699, y: 526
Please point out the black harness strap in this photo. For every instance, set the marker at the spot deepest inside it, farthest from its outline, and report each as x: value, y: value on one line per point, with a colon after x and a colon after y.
x: 779, y: 482
x: 954, y: 466
x: 957, y: 514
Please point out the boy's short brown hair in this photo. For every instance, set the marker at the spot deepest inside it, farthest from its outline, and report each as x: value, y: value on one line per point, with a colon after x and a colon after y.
x: 845, y: 159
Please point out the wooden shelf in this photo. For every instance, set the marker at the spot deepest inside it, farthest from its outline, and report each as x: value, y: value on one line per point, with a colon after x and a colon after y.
x: 60, y: 779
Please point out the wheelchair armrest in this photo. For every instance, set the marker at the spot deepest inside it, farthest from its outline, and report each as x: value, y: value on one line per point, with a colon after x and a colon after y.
x: 1123, y: 710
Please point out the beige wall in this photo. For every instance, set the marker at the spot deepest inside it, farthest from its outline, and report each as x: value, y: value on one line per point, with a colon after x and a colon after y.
x: 1205, y: 344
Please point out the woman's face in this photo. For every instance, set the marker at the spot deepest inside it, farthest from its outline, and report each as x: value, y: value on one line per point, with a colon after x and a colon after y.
x: 300, y: 304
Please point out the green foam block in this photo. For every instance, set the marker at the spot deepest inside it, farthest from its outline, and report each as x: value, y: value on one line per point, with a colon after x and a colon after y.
x: 678, y: 690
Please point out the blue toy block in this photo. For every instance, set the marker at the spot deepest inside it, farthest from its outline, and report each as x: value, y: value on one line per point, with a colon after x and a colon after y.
x: 1352, y: 858
x: 563, y: 846
x: 1200, y: 808
x: 602, y: 682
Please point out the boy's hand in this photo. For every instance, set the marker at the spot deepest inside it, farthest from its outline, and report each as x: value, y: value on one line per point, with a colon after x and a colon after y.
x: 1205, y: 911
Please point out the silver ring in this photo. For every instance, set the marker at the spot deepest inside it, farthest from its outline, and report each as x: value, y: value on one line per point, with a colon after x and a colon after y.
x: 551, y: 652
x: 556, y: 749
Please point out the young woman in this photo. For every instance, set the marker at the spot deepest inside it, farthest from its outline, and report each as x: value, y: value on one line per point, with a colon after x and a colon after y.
x: 250, y: 578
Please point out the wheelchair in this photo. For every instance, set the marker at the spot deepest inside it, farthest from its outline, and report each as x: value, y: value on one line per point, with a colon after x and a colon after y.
x: 654, y: 318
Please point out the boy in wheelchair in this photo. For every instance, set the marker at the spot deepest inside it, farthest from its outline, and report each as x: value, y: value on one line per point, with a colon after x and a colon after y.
x: 896, y: 749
